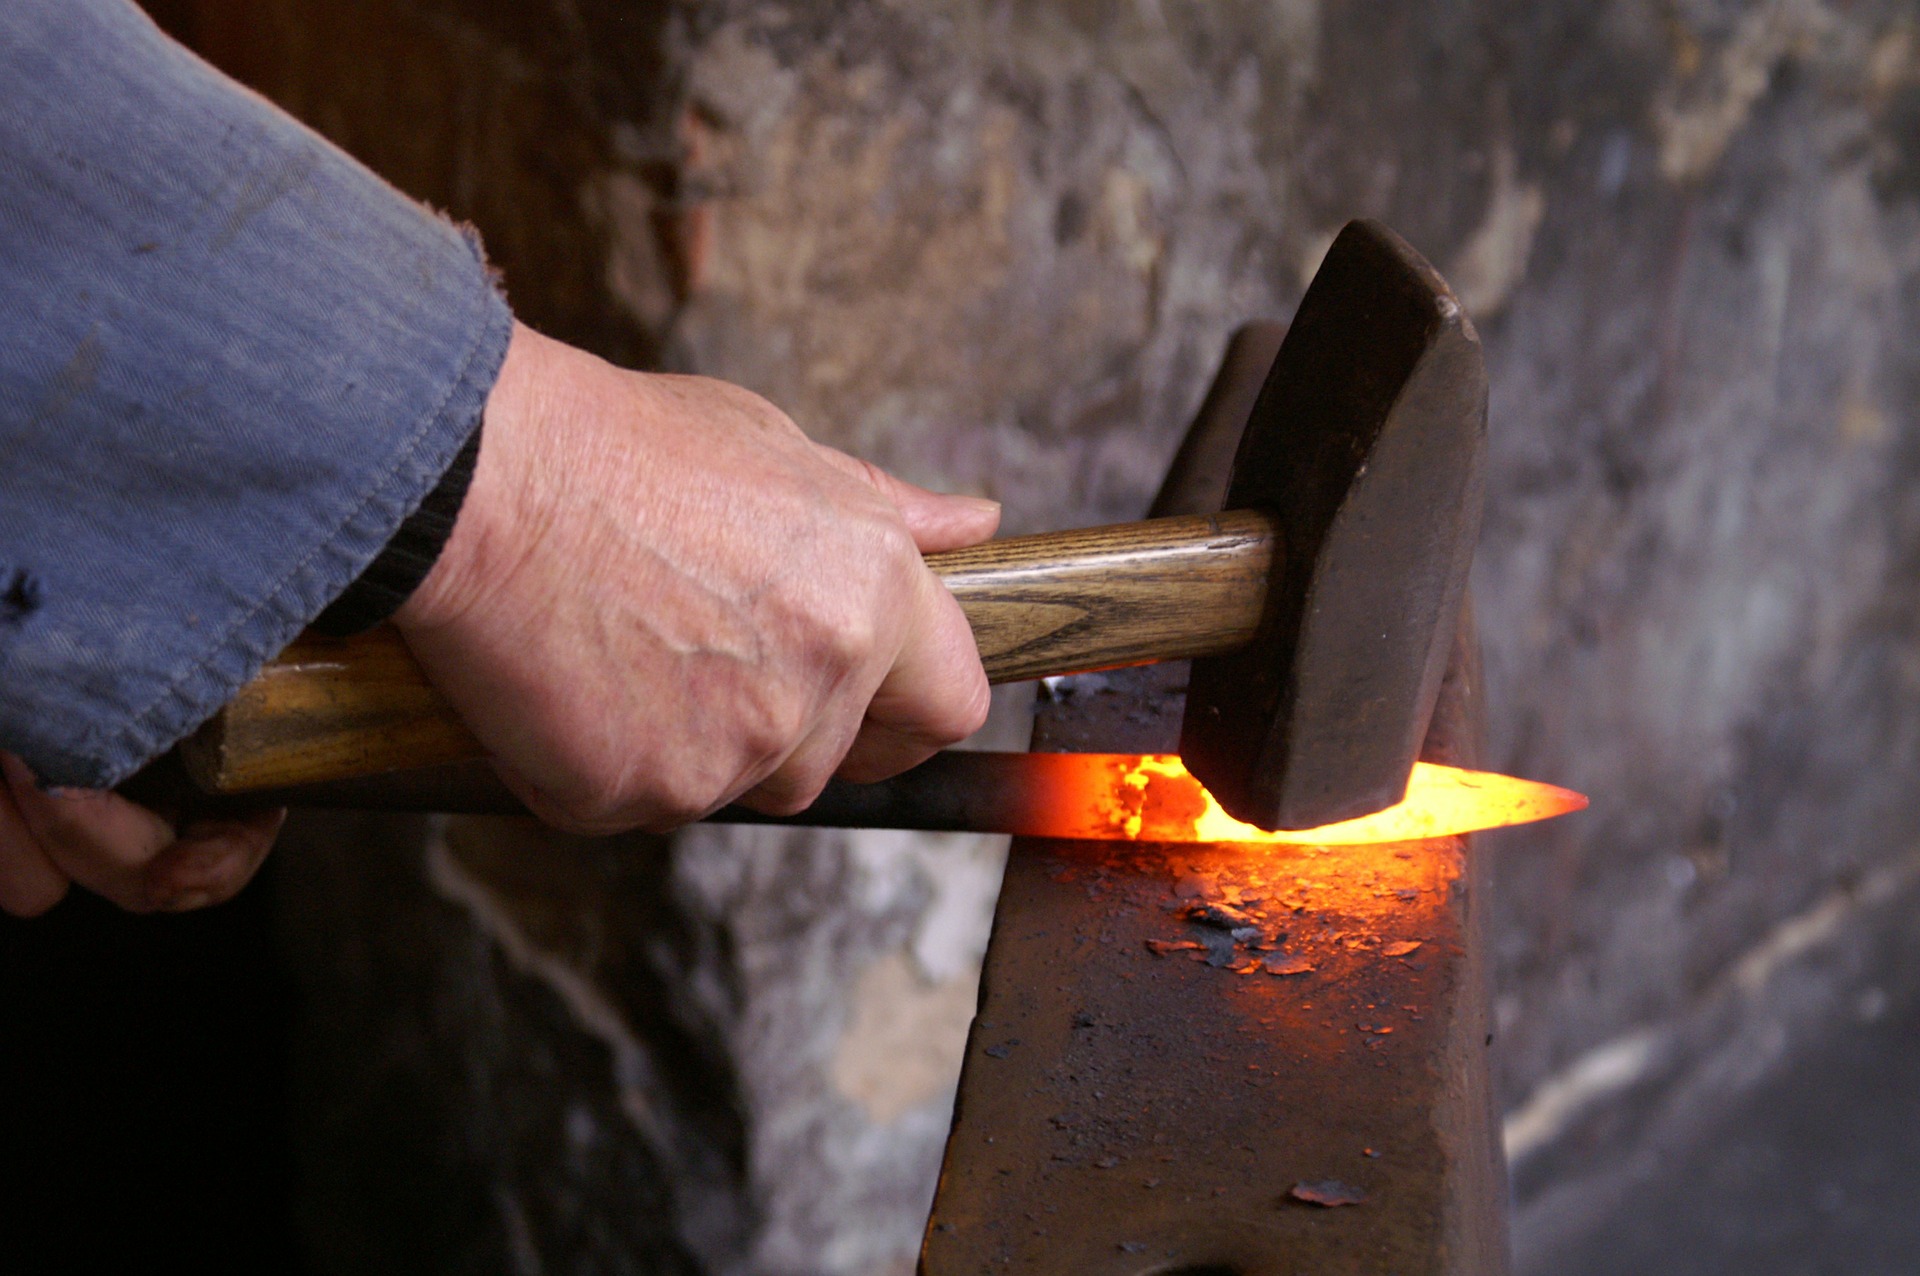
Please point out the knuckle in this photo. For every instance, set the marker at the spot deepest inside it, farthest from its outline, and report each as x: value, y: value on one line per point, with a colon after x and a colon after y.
x: 690, y: 795
x: 890, y: 591
x: 971, y: 710
x: 594, y: 802
x: 756, y: 409
x: 784, y: 802
x: 592, y: 815
x: 790, y: 794
x: 875, y: 477
x: 870, y: 769
x: 852, y: 640
x: 664, y: 817
x: 772, y: 723
x: 902, y: 552
x: 681, y: 792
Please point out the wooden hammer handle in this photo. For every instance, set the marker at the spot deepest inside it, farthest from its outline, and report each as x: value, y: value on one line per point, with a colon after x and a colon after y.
x: 1065, y: 602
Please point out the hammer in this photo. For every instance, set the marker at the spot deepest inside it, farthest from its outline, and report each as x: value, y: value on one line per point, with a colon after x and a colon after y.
x: 1318, y: 608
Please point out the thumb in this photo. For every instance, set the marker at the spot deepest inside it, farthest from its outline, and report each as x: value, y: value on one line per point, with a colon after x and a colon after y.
x: 937, y: 521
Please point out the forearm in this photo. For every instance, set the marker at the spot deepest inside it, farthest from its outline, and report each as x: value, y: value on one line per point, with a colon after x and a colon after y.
x: 234, y: 362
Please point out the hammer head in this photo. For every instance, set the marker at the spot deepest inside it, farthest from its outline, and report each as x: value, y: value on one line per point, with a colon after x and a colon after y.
x: 1368, y: 444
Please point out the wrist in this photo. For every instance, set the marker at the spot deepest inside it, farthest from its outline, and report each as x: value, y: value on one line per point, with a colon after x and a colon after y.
x: 476, y: 549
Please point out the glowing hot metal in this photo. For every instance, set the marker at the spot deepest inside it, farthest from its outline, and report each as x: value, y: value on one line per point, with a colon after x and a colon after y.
x: 1134, y: 797
x: 1152, y: 798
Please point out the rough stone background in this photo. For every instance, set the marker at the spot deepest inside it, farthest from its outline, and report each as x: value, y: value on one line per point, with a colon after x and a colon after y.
x: 997, y: 247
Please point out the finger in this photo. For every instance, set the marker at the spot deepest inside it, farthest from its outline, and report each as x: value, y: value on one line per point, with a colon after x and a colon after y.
x: 97, y: 838
x: 211, y: 861
x: 556, y: 813
x: 936, y: 694
x: 29, y: 883
x: 793, y: 785
x: 880, y: 751
x: 937, y: 521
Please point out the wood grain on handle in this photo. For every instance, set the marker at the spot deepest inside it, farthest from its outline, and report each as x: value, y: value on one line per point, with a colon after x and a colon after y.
x: 1130, y: 594
x: 1064, y: 602
x: 328, y: 709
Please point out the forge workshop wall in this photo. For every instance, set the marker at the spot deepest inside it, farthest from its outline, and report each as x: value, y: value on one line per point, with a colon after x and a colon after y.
x: 998, y: 248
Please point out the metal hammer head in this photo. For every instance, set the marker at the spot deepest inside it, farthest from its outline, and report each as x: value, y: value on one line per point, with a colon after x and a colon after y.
x: 1368, y: 444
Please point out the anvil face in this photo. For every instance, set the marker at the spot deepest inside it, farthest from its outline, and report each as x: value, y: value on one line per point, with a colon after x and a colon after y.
x: 1179, y: 1046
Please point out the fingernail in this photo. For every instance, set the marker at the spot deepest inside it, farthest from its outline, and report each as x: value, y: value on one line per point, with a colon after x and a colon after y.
x: 982, y: 503
x: 187, y: 901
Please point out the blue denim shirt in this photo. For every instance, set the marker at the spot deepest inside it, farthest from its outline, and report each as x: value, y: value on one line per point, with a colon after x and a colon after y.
x: 232, y: 361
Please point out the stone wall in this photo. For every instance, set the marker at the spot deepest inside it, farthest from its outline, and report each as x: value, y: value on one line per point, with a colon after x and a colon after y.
x: 997, y: 248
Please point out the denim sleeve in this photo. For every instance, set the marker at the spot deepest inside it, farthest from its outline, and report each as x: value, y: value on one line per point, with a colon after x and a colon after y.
x: 232, y: 362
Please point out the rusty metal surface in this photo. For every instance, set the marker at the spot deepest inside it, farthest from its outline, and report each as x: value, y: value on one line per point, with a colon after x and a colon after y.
x: 1131, y: 1105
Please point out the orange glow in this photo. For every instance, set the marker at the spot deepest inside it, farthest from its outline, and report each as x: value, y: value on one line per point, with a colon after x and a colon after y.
x: 1152, y: 798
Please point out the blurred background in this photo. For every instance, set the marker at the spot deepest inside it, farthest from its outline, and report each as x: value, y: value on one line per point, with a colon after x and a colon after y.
x: 998, y: 248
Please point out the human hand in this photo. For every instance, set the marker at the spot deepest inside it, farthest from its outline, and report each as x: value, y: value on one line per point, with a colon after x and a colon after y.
x: 661, y: 597
x: 133, y: 856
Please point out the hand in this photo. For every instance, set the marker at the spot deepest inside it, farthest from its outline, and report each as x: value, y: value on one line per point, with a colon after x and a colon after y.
x: 660, y: 597
x: 117, y: 848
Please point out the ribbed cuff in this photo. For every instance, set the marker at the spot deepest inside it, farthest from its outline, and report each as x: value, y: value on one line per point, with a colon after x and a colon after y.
x: 392, y: 577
